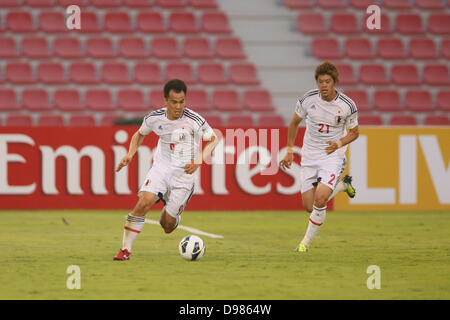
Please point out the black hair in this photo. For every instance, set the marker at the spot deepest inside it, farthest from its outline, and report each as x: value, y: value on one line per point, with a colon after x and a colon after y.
x: 175, y: 85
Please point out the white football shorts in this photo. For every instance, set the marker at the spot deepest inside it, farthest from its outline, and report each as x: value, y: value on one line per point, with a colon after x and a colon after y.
x: 327, y: 171
x: 172, y: 184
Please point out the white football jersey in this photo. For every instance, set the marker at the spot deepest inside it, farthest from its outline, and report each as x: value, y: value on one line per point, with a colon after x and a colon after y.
x: 325, y: 121
x: 179, y: 140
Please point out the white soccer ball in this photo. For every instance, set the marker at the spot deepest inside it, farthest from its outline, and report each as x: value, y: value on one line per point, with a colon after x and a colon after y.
x: 192, y: 248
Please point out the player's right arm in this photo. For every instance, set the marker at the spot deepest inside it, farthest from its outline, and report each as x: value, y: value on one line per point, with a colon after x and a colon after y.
x: 292, y: 134
x: 138, y: 137
x: 135, y: 142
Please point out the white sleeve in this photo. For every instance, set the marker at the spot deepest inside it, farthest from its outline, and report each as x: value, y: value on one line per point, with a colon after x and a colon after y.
x: 299, y: 110
x: 147, y: 125
x: 206, y: 132
x: 352, y: 120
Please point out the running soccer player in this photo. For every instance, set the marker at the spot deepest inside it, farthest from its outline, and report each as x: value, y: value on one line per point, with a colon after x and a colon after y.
x: 177, y: 157
x: 328, y: 113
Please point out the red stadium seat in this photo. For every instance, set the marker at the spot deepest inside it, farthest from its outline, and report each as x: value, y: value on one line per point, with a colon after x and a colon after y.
x: 20, y: 22
x: 214, y: 121
x: 370, y: 120
x: 430, y: 4
x: 203, y: 4
x: 35, y: 47
x: 19, y: 121
x: 422, y: 48
x: 439, y: 23
x: 51, y: 120
x: 445, y: 48
x: 360, y: 98
x: 20, y: 73
x: 211, y: 73
x: 443, y: 100
x: 230, y: 48
x: 258, y: 100
x: 326, y: 49
x: 419, y: 101
x: 35, y: 99
x: 197, y: 100
x: 182, y: 71
x: 100, y: 48
x: 397, y: 4
x: 8, y: 100
x: 82, y: 121
x: 132, y: 100
x: 391, y: 49
x: 361, y: 4
x: 183, y: 22
x: 387, y: 100
x: 10, y: 3
x: 115, y: 73
x: 436, y: 120
x: 89, y: 22
x: 332, y: 4
x: 409, y: 24
x: 311, y: 23
x: 197, y: 48
x: 346, y: 74
x: 105, y: 3
x: 406, y: 75
x: 244, y: 74
x: 67, y: 47
x: 157, y: 99
x: 385, y: 25
x: 66, y: 3
x: 215, y: 22
x: 373, y: 74
x: 227, y: 100
x: 138, y: 3
x: 170, y: 3
x: 8, y: 48
x: 151, y: 22
x: 52, y: 73
x: 109, y: 120
x: 358, y: 48
x: 99, y: 100
x: 436, y: 74
x: 52, y: 22
x: 403, y: 120
x: 132, y: 48
x: 83, y: 73
x: 165, y: 48
x: 344, y: 23
x: 239, y: 121
x: 273, y: 121
x: 118, y: 22
x: 148, y: 73
x: 40, y: 3
x: 67, y: 100
x: 299, y: 4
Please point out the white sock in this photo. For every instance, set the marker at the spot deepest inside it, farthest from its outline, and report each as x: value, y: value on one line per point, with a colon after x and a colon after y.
x: 341, y: 186
x: 133, y: 227
x: 316, y: 220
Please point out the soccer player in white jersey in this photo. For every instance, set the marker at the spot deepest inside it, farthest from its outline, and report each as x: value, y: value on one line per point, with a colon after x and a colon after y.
x: 328, y: 113
x: 170, y: 179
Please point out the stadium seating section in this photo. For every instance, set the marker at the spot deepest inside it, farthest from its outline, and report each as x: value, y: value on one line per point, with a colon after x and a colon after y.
x: 115, y: 66
x: 397, y: 75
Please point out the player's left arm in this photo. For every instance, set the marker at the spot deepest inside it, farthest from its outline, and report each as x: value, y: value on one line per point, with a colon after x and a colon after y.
x: 210, y: 136
x: 351, y: 136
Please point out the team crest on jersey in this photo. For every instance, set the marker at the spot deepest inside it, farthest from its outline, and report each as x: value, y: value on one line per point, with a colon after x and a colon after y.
x: 160, y: 127
x: 338, y: 117
x: 147, y: 182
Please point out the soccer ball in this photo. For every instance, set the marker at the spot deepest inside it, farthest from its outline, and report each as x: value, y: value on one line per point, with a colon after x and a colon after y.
x: 192, y: 248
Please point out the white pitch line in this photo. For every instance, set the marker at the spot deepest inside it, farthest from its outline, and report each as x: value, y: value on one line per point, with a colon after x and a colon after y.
x: 189, y: 229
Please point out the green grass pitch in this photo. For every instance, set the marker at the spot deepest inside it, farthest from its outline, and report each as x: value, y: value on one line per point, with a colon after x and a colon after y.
x: 254, y: 260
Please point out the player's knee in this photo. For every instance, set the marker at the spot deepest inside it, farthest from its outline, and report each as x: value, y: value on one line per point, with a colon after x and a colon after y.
x: 320, y: 202
x: 309, y: 208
